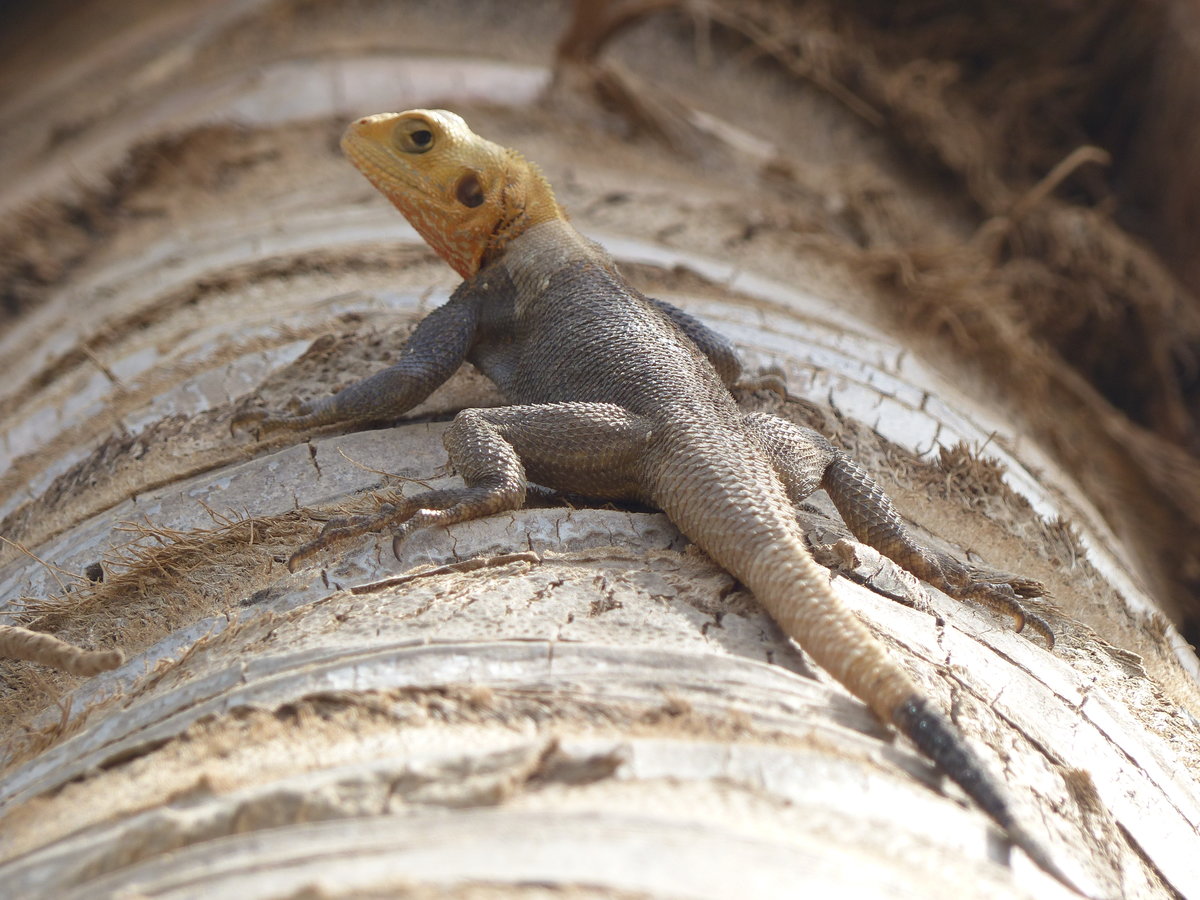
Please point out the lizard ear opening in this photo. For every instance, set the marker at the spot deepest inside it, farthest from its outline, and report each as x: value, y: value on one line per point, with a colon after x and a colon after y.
x: 468, y: 191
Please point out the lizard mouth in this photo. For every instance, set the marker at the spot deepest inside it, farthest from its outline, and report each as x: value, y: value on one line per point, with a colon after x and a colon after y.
x: 384, y: 170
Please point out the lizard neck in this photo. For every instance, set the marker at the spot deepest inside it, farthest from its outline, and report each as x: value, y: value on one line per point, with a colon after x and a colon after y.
x: 534, y: 257
x: 524, y: 203
x: 544, y: 248
x: 518, y: 200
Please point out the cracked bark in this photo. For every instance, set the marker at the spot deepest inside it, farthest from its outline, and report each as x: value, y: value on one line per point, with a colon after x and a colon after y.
x: 568, y: 697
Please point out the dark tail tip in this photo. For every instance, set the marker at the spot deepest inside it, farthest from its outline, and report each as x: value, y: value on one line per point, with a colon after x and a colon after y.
x: 918, y: 720
x: 933, y: 734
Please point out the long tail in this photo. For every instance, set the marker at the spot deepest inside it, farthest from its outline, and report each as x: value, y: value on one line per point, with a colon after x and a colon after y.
x: 753, y: 534
x: 812, y: 615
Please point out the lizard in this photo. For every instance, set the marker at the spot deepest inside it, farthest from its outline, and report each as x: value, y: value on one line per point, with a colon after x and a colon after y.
x: 616, y: 395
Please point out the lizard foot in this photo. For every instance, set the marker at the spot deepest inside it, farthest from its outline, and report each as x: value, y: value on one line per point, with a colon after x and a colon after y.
x: 264, y: 421
x: 410, y: 514
x: 772, y: 381
x: 1001, y: 592
x: 343, y: 528
x: 1000, y: 597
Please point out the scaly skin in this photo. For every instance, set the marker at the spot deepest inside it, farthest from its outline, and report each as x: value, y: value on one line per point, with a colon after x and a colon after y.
x: 618, y: 396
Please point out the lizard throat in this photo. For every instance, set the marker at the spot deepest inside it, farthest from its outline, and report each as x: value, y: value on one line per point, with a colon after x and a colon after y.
x: 523, y: 201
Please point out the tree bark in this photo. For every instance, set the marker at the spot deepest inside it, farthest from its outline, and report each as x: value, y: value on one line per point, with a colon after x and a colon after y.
x: 568, y: 700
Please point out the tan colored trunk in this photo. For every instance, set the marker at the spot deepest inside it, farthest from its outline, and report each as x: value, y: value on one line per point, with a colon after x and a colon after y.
x: 562, y: 701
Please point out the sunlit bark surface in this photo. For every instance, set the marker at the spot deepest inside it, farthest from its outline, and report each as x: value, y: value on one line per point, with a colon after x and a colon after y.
x: 568, y: 700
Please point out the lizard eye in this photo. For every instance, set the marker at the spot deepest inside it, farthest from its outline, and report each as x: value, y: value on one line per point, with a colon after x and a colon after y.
x: 413, y: 136
x: 469, y: 192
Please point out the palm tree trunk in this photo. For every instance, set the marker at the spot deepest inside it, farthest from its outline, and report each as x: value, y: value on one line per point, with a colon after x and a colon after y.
x: 562, y: 701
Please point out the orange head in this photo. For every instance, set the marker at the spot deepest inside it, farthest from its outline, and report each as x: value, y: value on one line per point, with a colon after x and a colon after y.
x: 466, y: 196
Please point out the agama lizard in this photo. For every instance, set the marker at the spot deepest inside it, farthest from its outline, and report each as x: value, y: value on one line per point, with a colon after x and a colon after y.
x: 619, y: 396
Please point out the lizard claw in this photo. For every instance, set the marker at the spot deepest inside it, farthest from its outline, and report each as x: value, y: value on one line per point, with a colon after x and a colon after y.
x: 1001, y: 597
x: 771, y: 381
x: 297, y: 558
x: 1043, y: 628
x: 246, y: 419
x: 420, y: 518
x: 264, y: 421
x: 342, y: 528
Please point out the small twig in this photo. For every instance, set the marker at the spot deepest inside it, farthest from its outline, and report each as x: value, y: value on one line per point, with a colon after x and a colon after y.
x: 996, y: 227
x: 96, y: 361
x: 382, y: 473
x: 47, y: 650
x: 1056, y: 176
x: 778, y: 51
x: 53, y: 569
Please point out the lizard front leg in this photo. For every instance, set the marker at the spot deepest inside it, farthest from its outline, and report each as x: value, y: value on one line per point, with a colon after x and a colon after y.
x: 586, y: 448
x: 434, y: 351
x: 805, y: 460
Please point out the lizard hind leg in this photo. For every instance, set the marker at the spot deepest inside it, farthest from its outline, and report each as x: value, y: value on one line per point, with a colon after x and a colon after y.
x: 805, y: 461
x: 587, y: 448
x: 874, y: 520
x: 798, y: 454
